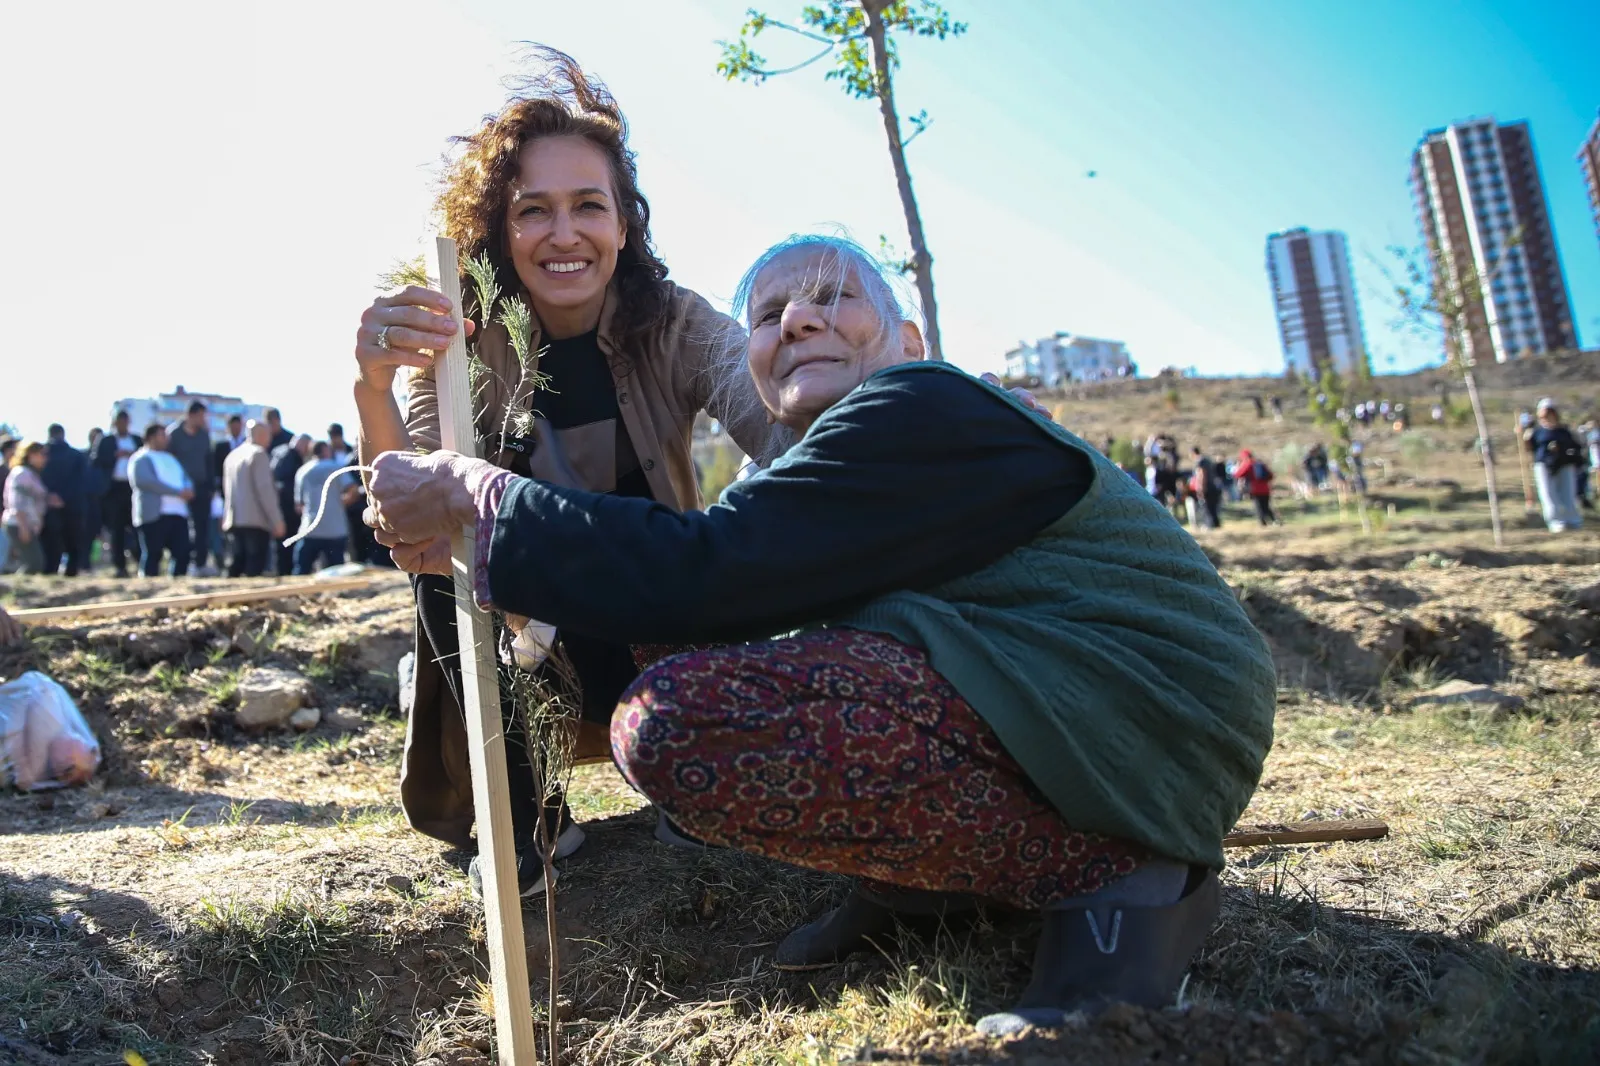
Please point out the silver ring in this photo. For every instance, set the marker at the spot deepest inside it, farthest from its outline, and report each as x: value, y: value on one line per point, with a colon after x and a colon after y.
x: 383, y: 337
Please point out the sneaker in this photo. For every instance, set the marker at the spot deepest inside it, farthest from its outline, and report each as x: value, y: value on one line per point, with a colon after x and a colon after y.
x: 530, y: 868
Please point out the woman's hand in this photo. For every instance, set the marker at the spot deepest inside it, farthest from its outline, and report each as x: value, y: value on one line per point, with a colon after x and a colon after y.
x: 414, y: 499
x: 418, y: 321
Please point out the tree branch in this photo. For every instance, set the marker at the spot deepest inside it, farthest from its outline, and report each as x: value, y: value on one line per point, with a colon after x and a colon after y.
x: 825, y: 53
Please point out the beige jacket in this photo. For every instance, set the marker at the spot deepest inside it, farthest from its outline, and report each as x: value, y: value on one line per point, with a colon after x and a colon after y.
x: 251, y: 497
x: 692, y: 362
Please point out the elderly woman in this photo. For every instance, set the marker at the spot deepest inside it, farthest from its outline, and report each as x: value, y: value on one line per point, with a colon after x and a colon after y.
x: 1008, y: 674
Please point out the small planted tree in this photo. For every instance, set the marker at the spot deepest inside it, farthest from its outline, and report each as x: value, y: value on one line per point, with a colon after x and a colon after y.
x: 858, y: 34
x: 1437, y: 297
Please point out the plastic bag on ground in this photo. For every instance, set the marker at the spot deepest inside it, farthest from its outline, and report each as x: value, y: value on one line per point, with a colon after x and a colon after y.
x: 44, y: 740
x: 333, y: 573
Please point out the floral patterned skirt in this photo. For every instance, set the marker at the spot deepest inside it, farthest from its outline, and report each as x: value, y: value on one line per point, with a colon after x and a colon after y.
x: 845, y: 751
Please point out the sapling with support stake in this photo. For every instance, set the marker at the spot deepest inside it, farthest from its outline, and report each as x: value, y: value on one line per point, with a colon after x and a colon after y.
x: 480, y: 697
x: 1446, y: 299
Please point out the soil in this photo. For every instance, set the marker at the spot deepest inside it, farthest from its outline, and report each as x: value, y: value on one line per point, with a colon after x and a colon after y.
x: 220, y: 896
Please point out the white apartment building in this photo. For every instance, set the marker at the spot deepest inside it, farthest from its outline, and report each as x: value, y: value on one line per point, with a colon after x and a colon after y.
x: 1476, y: 183
x: 1314, y: 297
x: 1070, y: 357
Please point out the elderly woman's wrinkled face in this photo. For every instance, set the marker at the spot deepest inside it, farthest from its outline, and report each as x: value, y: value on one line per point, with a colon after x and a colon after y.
x: 816, y: 332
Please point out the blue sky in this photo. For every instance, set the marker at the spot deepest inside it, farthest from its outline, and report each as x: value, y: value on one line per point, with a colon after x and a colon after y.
x: 246, y: 173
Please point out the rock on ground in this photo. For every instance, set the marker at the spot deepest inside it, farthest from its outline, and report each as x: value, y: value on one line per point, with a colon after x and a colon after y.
x: 269, y: 696
x: 1456, y: 693
x: 305, y: 719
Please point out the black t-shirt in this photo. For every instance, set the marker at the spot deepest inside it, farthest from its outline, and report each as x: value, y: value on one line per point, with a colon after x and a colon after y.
x: 579, y: 399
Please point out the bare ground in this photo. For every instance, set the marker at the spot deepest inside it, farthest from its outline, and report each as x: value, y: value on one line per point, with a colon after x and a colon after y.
x: 221, y: 897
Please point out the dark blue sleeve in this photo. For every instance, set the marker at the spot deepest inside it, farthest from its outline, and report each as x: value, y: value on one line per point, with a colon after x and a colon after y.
x: 918, y: 476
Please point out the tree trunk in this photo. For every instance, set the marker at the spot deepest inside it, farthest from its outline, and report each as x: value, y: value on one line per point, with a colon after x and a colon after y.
x: 1486, y: 449
x: 921, y: 260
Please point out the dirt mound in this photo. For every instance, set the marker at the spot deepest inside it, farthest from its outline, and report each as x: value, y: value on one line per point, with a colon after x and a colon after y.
x: 1353, y: 633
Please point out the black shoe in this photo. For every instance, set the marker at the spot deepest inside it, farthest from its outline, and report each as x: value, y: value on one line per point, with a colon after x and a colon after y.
x: 1091, y: 957
x: 530, y: 867
x: 868, y: 919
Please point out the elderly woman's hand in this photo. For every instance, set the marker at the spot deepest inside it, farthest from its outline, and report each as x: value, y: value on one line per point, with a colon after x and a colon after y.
x: 416, y: 499
x: 1023, y: 396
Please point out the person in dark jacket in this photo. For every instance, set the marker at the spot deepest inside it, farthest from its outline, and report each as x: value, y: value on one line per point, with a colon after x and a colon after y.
x: 189, y: 442
x: 287, y: 459
x: 280, y: 436
x: 65, y: 475
x: 1556, y: 461
x: 1207, y: 482
x: 111, y: 457
x: 973, y: 603
x: 95, y: 484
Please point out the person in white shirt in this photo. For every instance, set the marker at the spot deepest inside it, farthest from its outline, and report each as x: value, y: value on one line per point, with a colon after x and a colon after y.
x: 161, y: 504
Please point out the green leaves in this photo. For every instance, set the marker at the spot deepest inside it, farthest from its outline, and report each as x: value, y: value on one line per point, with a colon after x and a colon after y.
x: 481, y: 271
x: 413, y: 271
x: 842, y: 28
x: 518, y: 321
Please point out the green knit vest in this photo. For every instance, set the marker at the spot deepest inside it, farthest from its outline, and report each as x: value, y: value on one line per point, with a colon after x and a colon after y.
x: 1114, y: 663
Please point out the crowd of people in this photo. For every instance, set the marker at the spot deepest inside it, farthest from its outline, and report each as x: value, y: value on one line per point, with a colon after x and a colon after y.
x: 179, y: 499
x: 1195, y: 493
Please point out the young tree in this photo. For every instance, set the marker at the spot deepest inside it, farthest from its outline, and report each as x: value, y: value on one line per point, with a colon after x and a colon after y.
x: 1444, y: 298
x: 857, y: 33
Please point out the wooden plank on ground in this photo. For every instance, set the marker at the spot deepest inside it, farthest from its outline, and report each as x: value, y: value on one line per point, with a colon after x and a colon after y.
x: 508, y: 959
x: 192, y: 601
x: 1246, y: 836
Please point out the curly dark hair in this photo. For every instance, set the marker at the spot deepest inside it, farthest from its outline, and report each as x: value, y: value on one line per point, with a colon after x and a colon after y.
x: 556, y: 100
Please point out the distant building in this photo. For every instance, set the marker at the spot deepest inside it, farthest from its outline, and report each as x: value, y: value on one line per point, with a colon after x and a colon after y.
x: 1589, y: 160
x: 169, y: 407
x: 1477, y: 183
x: 1314, y: 297
x: 1070, y: 357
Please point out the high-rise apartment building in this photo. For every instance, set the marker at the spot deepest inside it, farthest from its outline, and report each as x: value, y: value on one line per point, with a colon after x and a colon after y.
x: 1476, y: 184
x: 1315, y: 300
x: 1589, y: 159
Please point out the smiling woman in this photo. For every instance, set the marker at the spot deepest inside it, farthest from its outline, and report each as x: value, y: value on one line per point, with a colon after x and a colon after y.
x: 620, y: 363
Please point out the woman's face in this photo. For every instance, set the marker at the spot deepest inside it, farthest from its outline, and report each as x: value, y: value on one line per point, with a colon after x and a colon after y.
x: 36, y: 460
x: 1549, y: 419
x: 815, y: 335
x: 563, y: 226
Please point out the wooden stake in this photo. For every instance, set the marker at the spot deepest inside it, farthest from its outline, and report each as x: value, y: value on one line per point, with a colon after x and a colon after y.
x: 1247, y: 836
x: 113, y: 608
x: 480, y: 692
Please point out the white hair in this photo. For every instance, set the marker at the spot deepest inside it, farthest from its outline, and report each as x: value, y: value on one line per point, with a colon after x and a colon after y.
x: 732, y: 388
